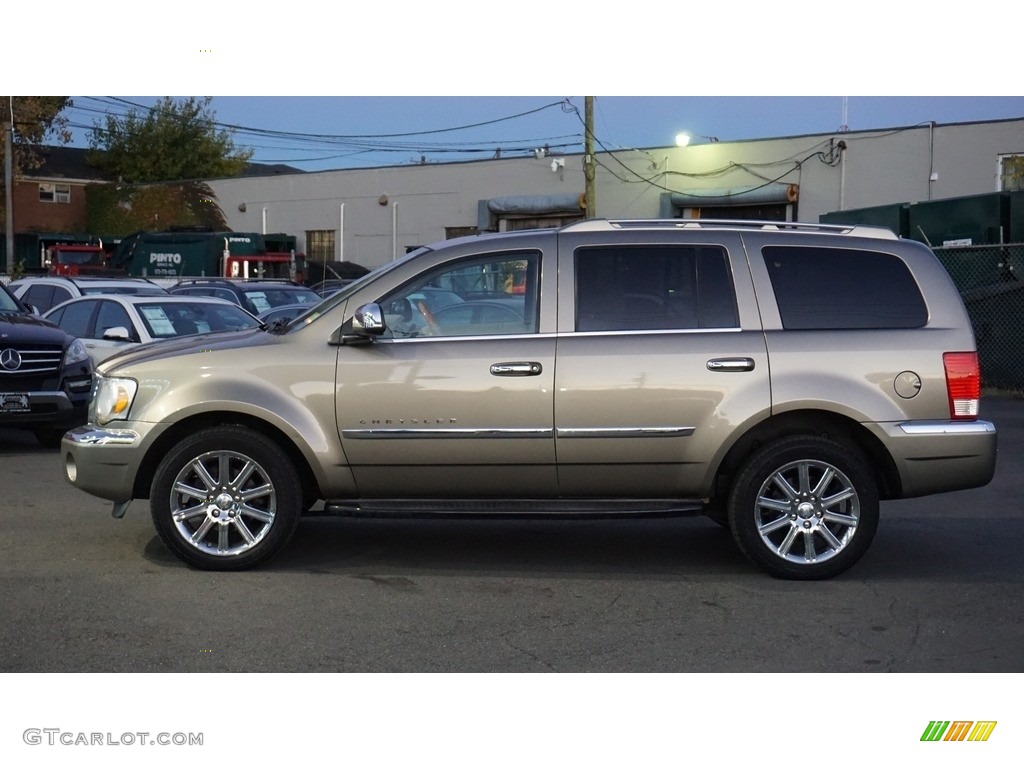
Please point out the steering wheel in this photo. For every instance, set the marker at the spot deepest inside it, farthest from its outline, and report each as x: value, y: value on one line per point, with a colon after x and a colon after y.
x: 428, y: 316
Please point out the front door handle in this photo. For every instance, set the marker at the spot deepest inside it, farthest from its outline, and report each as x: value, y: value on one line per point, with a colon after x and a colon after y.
x: 516, y: 369
x: 727, y: 364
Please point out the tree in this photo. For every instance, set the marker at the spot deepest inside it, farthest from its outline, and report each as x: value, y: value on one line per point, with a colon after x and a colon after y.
x: 160, y: 158
x: 36, y: 119
x: 172, y: 141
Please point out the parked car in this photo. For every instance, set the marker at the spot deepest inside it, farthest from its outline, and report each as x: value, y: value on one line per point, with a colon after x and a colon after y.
x: 108, y: 324
x: 284, y: 314
x: 255, y: 296
x: 47, y: 291
x: 45, y: 374
x: 328, y: 287
x: 781, y: 378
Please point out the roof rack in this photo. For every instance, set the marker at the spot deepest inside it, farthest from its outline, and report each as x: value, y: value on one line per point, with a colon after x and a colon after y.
x: 852, y: 230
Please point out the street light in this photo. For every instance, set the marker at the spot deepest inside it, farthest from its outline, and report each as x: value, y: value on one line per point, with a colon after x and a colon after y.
x: 683, y: 139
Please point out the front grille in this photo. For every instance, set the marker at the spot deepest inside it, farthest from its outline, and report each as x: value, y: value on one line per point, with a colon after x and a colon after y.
x: 24, y: 360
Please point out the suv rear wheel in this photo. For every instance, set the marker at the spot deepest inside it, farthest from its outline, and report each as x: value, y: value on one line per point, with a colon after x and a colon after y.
x: 804, y: 508
x: 226, y: 498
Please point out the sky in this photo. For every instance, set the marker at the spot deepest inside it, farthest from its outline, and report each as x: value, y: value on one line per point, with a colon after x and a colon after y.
x: 399, y: 83
x: 313, y: 133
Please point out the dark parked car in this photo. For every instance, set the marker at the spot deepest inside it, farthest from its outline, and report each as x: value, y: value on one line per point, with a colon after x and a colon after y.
x: 255, y: 296
x: 45, y: 374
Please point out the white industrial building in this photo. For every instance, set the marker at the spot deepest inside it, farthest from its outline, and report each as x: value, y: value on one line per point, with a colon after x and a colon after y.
x: 370, y: 216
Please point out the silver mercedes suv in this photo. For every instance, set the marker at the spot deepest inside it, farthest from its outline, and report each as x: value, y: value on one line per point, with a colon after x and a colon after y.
x: 781, y: 378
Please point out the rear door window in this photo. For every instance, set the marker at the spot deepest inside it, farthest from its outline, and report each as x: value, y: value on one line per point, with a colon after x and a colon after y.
x: 843, y: 288
x: 659, y: 287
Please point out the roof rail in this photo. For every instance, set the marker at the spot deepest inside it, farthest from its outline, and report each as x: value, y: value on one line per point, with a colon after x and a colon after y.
x: 852, y: 230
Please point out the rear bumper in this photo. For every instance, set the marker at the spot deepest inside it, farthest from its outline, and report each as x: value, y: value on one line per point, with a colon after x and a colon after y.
x: 938, y: 456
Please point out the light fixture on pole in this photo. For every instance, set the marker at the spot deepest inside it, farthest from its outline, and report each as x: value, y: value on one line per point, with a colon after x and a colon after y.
x: 683, y: 139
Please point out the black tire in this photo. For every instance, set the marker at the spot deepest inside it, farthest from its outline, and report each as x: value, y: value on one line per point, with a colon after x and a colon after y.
x: 804, y: 508
x: 225, y: 499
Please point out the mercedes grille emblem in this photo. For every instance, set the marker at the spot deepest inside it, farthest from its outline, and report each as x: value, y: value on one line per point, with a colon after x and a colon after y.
x: 10, y: 359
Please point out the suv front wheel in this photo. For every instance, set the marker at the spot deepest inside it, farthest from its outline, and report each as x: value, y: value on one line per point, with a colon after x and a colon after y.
x: 225, y: 498
x: 804, y: 508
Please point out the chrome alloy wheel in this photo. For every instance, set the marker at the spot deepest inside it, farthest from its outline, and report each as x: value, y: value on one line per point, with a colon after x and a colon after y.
x: 223, y: 503
x: 807, y: 511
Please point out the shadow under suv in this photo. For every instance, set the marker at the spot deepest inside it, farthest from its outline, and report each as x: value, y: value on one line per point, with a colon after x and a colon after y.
x: 781, y: 378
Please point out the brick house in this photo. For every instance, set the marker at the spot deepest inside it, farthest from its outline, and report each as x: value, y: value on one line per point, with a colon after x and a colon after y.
x: 51, y: 198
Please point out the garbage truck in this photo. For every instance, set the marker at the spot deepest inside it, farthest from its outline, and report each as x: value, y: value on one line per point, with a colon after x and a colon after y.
x: 193, y: 253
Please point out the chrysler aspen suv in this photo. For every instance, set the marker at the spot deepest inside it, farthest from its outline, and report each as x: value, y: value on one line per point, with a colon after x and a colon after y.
x: 781, y: 378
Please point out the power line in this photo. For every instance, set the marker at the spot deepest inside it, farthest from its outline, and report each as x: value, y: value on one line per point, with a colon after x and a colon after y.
x: 357, y: 145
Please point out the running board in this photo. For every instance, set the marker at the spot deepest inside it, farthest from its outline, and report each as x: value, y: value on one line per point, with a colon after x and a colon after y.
x: 520, y: 508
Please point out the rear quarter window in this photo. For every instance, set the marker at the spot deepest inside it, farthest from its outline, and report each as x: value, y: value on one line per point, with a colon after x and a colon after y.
x: 843, y: 288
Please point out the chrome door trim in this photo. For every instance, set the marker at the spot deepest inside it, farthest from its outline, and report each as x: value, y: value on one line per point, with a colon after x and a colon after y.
x: 624, y: 432
x: 446, y: 434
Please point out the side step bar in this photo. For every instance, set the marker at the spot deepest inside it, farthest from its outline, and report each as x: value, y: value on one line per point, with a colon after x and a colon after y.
x: 531, y: 508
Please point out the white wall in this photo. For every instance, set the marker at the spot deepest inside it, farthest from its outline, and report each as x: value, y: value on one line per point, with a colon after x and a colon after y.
x: 879, y: 167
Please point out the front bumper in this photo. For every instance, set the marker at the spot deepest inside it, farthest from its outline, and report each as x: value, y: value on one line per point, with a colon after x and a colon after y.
x: 103, y: 461
x: 55, y: 410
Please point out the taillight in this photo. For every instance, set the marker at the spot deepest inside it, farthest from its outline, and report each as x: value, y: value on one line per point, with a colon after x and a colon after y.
x: 963, y: 384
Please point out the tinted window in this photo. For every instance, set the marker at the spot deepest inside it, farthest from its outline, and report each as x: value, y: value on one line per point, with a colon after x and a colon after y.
x: 41, y: 297
x: 111, y: 315
x: 638, y: 288
x: 75, y: 319
x: 842, y: 288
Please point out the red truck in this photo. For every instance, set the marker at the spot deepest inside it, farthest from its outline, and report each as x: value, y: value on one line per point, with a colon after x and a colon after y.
x: 77, y: 259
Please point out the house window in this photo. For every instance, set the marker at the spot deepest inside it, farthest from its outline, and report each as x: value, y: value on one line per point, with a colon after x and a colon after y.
x: 54, y: 193
x: 1011, y: 173
x: 320, y: 245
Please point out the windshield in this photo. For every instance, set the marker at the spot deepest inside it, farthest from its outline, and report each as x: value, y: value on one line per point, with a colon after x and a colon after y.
x: 342, y: 295
x: 268, y: 297
x: 79, y: 257
x: 7, y: 303
x: 164, y: 320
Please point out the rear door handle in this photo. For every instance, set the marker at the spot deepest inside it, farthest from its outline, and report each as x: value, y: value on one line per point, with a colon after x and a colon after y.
x: 516, y: 369
x: 726, y: 364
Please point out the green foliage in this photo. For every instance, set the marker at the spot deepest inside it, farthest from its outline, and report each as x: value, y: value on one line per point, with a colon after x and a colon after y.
x: 173, y: 141
x: 118, y: 210
x: 158, y: 157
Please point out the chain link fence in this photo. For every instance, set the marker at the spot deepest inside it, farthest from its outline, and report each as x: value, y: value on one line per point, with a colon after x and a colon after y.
x: 989, y: 278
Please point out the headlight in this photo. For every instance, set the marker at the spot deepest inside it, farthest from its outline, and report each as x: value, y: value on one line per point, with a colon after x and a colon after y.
x: 113, y: 398
x: 76, y: 353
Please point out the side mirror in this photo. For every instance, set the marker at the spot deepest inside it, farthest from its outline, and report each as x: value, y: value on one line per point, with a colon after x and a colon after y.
x: 368, y: 320
x: 117, y: 333
x: 366, y: 323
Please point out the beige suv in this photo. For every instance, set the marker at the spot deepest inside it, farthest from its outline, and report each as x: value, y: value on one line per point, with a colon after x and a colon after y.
x: 781, y: 378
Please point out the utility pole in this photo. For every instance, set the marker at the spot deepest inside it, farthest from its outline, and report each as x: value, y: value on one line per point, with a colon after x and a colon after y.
x: 8, y: 189
x: 589, y: 163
